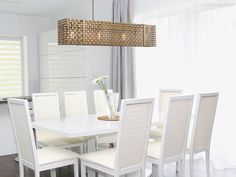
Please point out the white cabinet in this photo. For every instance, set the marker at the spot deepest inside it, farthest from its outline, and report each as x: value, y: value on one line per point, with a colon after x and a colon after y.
x: 62, y: 68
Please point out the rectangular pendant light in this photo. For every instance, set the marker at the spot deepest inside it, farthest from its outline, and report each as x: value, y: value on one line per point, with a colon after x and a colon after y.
x: 101, y: 33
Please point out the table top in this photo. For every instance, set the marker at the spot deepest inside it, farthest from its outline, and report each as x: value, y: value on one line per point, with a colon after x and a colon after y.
x: 78, y: 127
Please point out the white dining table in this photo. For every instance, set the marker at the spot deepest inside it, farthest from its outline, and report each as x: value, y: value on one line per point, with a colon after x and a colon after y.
x: 78, y: 127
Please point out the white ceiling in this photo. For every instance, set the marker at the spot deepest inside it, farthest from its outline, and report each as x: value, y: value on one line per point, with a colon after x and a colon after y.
x: 53, y: 8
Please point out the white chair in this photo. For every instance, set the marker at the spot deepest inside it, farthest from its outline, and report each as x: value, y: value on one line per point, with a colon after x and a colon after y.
x: 164, y: 94
x: 47, y: 158
x: 46, y: 107
x: 133, y: 134
x: 202, y: 129
x: 101, y: 108
x: 76, y: 104
x: 172, y: 147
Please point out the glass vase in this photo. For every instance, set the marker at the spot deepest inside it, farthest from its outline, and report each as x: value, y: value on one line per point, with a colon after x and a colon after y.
x: 112, y: 100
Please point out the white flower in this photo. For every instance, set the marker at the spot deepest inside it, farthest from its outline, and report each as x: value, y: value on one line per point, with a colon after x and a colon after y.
x: 100, y: 81
x: 96, y: 80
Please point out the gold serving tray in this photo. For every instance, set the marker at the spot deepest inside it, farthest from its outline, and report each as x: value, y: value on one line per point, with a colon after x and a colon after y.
x: 106, y: 118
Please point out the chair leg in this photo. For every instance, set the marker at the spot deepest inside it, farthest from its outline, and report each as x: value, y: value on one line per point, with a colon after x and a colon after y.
x: 76, y: 169
x: 142, y: 172
x: 96, y: 143
x: 83, y: 170
x: 36, y: 173
x: 21, y: 167
x: 177, y: 166
x: 191, y: 167
x: 85, y: 146
x: 161, y: 171
x: 53, y: 172
x: 155, y: 170
x: 81, y: 148
x: 208, y: 163
x: 183, y: 168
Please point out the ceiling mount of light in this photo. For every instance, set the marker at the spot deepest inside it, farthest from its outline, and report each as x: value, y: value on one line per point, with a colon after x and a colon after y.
x: 102, y: 33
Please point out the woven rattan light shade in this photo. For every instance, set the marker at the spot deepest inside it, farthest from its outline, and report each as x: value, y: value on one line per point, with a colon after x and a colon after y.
x: 101, y: 33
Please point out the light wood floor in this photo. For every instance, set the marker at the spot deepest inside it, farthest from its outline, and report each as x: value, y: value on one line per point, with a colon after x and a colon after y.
x: 9, y: 168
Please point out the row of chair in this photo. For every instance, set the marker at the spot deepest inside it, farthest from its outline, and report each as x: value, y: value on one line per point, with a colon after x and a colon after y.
x: 133, y: 148
x: 166, y: 148
x: 46, y: 107
x: 133, y: 133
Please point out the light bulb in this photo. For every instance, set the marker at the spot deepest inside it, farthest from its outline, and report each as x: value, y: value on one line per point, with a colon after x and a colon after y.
x: 72, y: 34
x: 99, y: 35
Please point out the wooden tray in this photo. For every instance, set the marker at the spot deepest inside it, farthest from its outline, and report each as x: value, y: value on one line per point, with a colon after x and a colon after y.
x: 106, y: 118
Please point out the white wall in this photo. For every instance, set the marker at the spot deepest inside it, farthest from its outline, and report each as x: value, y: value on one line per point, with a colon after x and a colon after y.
x: 30, y: 27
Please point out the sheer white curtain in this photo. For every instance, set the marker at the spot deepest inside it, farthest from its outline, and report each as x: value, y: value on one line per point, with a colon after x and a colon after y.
x: 196, y: 52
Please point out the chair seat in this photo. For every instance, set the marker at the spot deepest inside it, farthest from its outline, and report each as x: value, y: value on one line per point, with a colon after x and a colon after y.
x: 50, y: 139
x: 105, y: 158
x: 154, y: 149
x: 49, y: 155
x: 156, y: 132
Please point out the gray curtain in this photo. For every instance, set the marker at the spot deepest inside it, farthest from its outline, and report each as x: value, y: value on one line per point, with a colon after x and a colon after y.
x: 122, y: 63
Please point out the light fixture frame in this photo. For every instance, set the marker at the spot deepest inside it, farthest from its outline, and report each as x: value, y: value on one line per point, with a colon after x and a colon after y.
x: 103, y: 33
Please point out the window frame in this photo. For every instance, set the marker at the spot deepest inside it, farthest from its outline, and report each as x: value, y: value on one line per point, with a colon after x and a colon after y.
x: 24, y: 62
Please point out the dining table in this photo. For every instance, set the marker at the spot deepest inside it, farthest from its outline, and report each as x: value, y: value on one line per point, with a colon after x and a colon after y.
x: 77, y: 127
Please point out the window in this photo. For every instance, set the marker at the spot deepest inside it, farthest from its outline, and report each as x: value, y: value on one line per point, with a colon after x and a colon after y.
x: 196, y: 52
x: 11, y: 67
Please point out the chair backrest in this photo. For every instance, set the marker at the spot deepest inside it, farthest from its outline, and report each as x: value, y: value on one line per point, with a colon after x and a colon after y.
x: 176, y: 127
x: 204, y: 121
x: 164, y: 95
x: 133, y: 135
x: 19, y: 110
x: 100, y: 101
x: 45, y: 106
x: 76, y: 104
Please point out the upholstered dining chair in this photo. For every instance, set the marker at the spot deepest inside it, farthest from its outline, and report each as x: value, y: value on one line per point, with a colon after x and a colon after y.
x: 133, y: 135
x: 48, y: 158
x: 164, y: 94
x: 46, y: 107
x: 172, y: 147
x: 101, y: 108
x: 200, y: 139
x: 76, y: 104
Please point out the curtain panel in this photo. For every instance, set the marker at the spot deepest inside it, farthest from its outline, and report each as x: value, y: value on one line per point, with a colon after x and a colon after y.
x: 122, y: 61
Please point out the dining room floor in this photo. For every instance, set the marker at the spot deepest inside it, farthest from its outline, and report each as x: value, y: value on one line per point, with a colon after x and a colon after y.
x: 9, y: 168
